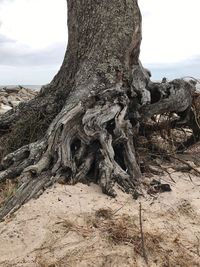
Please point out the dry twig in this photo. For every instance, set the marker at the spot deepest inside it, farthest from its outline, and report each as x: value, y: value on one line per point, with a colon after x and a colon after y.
x: 142, y: 235
x: 186, y: 163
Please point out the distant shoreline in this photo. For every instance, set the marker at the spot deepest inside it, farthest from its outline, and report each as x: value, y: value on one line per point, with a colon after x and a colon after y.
x: 37, y: 87
x: 32, y: 87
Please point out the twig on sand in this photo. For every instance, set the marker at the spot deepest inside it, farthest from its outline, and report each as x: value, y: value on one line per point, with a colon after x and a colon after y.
x: 121, y: 207
x: 186, y: 163
x: 169, y: 174
x: 190, y: 177
x: 198, y: 245
x: 142, y: 235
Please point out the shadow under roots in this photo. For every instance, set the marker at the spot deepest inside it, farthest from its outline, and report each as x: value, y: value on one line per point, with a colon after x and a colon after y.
x: 119, y: 158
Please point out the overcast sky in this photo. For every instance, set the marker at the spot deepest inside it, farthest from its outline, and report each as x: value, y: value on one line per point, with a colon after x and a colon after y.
x: 33, y: 39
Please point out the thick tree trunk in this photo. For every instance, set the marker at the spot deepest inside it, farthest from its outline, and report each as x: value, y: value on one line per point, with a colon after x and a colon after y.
x: 99, y: 95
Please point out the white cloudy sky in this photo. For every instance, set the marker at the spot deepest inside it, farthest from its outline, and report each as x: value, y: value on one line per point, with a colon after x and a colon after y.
x: 33, y: 37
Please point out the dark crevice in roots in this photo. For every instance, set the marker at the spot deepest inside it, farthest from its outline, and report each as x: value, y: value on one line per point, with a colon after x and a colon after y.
x: 119, y: 151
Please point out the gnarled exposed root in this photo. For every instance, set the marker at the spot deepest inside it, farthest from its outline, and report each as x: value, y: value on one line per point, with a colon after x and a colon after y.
x: 15, y: 163
x: 29, y: 188
x: 93, y: 137
x: 82, y: 139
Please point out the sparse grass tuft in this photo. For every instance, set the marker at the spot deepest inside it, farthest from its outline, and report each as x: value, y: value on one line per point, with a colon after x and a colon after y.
x: 121, y: 230
x: 7, y: 189
x: 29, y: 128
x: 106, y: 237
x: 67, y: 225
x: 104, y: 213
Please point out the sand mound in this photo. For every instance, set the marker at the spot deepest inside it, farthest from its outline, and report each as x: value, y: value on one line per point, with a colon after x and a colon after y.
x: 79, y: 226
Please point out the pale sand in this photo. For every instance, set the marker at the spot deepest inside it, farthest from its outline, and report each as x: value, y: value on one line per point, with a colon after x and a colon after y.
x: 38, y: 235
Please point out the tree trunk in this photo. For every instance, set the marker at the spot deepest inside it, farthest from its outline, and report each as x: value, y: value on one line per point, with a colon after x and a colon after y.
x: 100, y: 95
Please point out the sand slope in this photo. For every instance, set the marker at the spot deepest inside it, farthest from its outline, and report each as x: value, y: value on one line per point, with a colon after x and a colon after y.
x: 79, y: 226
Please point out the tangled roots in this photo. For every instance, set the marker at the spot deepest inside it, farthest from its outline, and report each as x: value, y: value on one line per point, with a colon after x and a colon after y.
x: 89, y: 141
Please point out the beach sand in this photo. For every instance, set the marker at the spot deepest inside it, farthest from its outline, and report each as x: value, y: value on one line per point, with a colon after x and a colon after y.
x: 80, y: 226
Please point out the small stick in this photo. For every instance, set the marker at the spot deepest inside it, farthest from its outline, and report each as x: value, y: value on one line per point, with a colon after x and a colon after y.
x: 190, y: 177
x: 142, y: 235
x: 186, y: 163
x: 116, y: 211
x: 165, y: 170
x: 198, y: 243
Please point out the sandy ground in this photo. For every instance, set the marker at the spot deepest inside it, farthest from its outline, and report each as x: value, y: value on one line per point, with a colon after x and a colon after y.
x: 79, y: 226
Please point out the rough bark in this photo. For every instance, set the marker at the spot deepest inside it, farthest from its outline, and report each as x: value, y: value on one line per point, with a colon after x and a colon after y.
x: 105, y: 95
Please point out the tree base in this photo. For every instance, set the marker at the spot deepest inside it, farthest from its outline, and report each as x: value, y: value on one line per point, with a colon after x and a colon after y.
x: 94, y: 136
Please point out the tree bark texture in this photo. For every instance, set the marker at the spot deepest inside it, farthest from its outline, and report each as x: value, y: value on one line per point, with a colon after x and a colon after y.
x: 101, y: 95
